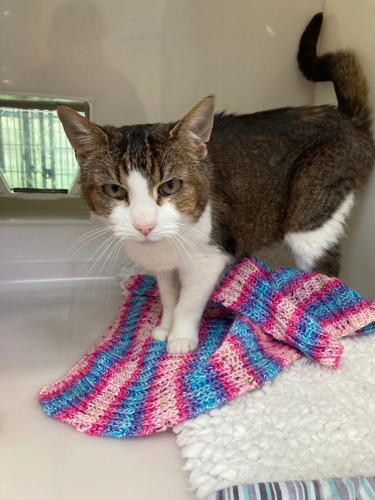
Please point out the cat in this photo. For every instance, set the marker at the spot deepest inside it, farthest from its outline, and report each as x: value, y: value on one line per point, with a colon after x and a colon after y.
x: 191, y: 197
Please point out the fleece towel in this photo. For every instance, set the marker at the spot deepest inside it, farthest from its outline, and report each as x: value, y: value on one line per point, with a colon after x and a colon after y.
x: 307, y: 423
x: 258, y: 322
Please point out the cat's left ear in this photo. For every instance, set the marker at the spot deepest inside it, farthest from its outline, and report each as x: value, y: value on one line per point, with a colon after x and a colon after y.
x: 196, y: 126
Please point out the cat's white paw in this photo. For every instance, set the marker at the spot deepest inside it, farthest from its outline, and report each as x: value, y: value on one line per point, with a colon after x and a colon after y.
x: 181, y: 346
x: 160, y: 333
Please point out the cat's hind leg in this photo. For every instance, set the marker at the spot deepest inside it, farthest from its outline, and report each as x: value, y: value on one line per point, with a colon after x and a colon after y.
x: 329, y: 263
x: 318, y: 249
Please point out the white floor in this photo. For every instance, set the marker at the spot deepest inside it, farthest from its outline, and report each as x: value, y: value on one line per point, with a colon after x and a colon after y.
x: 44, y: 330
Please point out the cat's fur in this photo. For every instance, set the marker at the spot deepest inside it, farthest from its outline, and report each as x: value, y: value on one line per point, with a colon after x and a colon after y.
x: 289, y: 174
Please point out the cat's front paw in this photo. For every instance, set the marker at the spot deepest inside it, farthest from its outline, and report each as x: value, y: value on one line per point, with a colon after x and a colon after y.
x: 160, y: 333
x: 181, y: 346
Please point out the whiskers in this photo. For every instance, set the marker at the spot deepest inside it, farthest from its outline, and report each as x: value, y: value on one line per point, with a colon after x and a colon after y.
x: 85, y: 240
x: 188, y: 244
x: 181, y: 251
x: 98, y: 261
x: 197, y: 234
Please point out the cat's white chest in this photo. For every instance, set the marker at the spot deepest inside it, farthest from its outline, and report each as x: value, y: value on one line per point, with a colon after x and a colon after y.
x: 167, y: 255
x: 153, y: 256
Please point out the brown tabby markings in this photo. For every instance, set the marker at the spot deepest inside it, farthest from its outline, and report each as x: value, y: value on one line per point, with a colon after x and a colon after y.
x: 244, y: 181
x: 267, y: 175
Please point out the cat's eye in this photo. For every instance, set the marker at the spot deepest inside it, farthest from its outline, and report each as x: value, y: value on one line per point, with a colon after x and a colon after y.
x: 170, y: 187
x: 115, y: 191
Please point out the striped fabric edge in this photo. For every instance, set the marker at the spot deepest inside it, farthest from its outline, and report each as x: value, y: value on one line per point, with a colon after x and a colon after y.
x: 352, y: 488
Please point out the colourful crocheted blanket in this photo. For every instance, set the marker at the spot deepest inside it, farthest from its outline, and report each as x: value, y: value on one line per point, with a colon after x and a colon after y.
x: 257, y: 323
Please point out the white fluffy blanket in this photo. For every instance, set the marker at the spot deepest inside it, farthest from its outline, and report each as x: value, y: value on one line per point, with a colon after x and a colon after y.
x: 308, y: 423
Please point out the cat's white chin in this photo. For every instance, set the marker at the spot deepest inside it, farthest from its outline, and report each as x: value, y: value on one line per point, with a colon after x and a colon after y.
x: 148, y: 242
x: 154, y: 256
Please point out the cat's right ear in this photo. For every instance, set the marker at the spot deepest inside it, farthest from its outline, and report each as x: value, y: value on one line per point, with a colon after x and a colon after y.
x: 83, y: 135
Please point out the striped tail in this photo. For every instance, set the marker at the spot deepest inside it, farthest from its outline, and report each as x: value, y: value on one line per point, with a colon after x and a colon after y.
x: 342, y: 68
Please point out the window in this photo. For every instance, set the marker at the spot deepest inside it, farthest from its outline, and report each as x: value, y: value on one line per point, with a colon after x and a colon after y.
x: 36, y: 159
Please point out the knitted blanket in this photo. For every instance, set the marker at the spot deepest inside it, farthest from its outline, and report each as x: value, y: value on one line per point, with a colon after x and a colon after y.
x: 257, y: 323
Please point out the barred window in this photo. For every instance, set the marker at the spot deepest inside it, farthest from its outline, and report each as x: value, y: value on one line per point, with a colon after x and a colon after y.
x: 35, y: 155
x: 38, y: 169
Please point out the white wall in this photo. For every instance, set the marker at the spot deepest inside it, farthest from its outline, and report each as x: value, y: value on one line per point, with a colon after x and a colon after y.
x: 152, y: 60
x: 149, y: 61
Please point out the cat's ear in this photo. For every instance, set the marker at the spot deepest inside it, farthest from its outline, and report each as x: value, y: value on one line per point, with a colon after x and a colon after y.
x: 83, y: 135
x: 196, y: 126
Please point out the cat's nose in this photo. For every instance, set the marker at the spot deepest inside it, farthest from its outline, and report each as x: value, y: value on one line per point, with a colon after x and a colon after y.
x: 143, y: 228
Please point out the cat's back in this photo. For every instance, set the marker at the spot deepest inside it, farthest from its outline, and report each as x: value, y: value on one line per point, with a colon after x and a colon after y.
x: 258, y: 159
x: 300, y: 123
x: 273, y: 140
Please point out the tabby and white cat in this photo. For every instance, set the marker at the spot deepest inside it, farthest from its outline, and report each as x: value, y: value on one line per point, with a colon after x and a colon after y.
x: 188, y: 198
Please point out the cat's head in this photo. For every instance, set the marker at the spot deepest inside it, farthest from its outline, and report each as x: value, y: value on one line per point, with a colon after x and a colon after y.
x: 146, y: 179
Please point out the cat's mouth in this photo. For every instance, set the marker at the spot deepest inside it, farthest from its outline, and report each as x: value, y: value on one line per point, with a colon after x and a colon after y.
x: 149, y: 241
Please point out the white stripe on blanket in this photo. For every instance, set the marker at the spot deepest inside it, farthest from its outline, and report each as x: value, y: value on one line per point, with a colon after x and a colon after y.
x: 308, y: 423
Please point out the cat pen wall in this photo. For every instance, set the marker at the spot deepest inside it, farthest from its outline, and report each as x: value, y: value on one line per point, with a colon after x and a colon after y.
x: 138, y: 62
x: 129, y: 63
